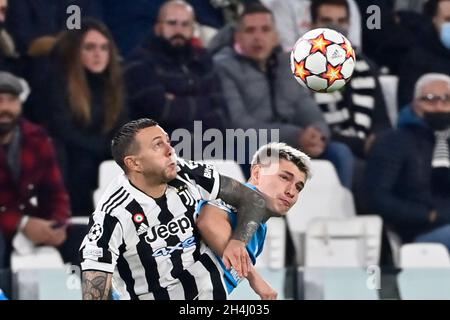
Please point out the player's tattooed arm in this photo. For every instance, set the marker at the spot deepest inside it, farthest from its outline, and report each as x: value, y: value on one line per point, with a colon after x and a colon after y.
x: 252, y: 206
x: 96, y: 285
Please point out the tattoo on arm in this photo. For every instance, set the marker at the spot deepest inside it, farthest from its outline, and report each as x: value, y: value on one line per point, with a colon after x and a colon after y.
x: 96, y: 285
x: 251, y: 205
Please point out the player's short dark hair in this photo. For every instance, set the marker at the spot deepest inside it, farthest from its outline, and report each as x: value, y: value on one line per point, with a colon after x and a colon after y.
x: 253, y: 8
x: 316, y: 4
x: 124, y: 142
x: 430, y: 7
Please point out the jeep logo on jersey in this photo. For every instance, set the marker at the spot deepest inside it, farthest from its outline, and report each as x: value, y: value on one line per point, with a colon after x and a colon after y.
x: 164, y: 231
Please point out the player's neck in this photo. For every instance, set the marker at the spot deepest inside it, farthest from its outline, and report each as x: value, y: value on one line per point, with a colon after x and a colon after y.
x: 153, y: 189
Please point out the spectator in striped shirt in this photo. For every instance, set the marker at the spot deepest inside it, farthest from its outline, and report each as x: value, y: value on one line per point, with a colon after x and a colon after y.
x: 33, y: 198
x: 358, y: 112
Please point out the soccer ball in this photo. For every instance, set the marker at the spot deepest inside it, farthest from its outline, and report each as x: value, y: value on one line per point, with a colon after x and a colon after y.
x: 323, y: 60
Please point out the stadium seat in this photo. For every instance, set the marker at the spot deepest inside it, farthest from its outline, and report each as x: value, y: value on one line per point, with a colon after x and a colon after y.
x: 343, y: 242
x: 108, y: 170
x: 424, y: 255
x: 424, y: 284
x: 323, y: 196
x: 273, y: 255
x: 389, y: 85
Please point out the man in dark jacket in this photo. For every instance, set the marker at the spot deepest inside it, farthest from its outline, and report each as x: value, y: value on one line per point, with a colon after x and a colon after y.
x: 262, y: 93
x: 408, y: 172
x: 170, y: 79
x: 432, y: 54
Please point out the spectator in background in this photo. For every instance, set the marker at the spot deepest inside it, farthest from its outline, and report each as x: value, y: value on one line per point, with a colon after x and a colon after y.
x: 293, y: 19
x: 9, y: 57
x: 390, y: 37
x: 172, y: 80
x: 408, y: 172
x: 357, y: 112
x: 262, y: 93
x: 33, y: 198
x: 432, y: 53
x: 85, y: 106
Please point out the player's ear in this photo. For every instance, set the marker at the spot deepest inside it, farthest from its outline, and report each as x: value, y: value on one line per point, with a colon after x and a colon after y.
x: 132, y: 163
x: 256, y: 173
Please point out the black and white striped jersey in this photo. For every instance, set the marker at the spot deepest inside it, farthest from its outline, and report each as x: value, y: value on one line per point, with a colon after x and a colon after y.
x: 153, y: 244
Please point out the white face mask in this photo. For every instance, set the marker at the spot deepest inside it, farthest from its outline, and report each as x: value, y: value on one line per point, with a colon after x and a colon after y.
x: 445, y: 35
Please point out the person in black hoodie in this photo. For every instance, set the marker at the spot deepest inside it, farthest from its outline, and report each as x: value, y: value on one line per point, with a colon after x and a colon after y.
x: 86, y: 106
x: 172, y: 80
x: 432, y: 53
x: 408, y: 171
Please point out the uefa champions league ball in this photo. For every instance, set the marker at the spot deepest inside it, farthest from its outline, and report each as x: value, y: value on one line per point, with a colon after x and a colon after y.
x: 323, y: 60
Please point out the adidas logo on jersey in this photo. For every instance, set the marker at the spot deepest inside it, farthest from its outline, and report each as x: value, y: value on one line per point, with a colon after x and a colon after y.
x: 142, y: 229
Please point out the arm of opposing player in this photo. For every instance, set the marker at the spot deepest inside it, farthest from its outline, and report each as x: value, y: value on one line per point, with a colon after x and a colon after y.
x: 252, y: 206
x: 215, y: 229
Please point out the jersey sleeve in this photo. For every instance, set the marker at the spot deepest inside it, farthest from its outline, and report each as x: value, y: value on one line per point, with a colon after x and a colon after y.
x: 100, y: 247
x: 204, y: 176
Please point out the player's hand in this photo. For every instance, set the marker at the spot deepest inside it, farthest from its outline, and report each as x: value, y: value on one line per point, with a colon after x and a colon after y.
x: 262, y: 288
x: 235, y: 255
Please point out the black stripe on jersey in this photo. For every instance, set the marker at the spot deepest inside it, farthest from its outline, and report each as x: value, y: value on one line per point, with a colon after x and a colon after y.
x: 199, y: 172
x: 113, y: 202
x: 186, y: 279
x: 145, y: 252
x: 109, y: 224
x: 125, y: 272
x: 180, y: 185
x: 118, y: 203
x: 219, y: 292
x: 109, y: 199
x: 90, y: 224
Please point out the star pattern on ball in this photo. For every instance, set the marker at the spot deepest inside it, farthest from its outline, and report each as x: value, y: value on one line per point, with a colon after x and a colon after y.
x: 300, y: 70
x: 332, y: 74
x: 349, y: 51
x: 320, y: 44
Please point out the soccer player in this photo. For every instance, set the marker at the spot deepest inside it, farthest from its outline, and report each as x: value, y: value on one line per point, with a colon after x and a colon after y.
x: 144, y: 226
x: 280, y: 172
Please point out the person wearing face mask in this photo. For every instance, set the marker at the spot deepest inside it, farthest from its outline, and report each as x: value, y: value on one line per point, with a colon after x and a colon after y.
x: 432, y: 54
x: 408, y: 171
x: 171, y: 79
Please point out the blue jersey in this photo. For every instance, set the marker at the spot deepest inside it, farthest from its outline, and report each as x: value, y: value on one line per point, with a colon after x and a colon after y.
x: 254, y: 247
